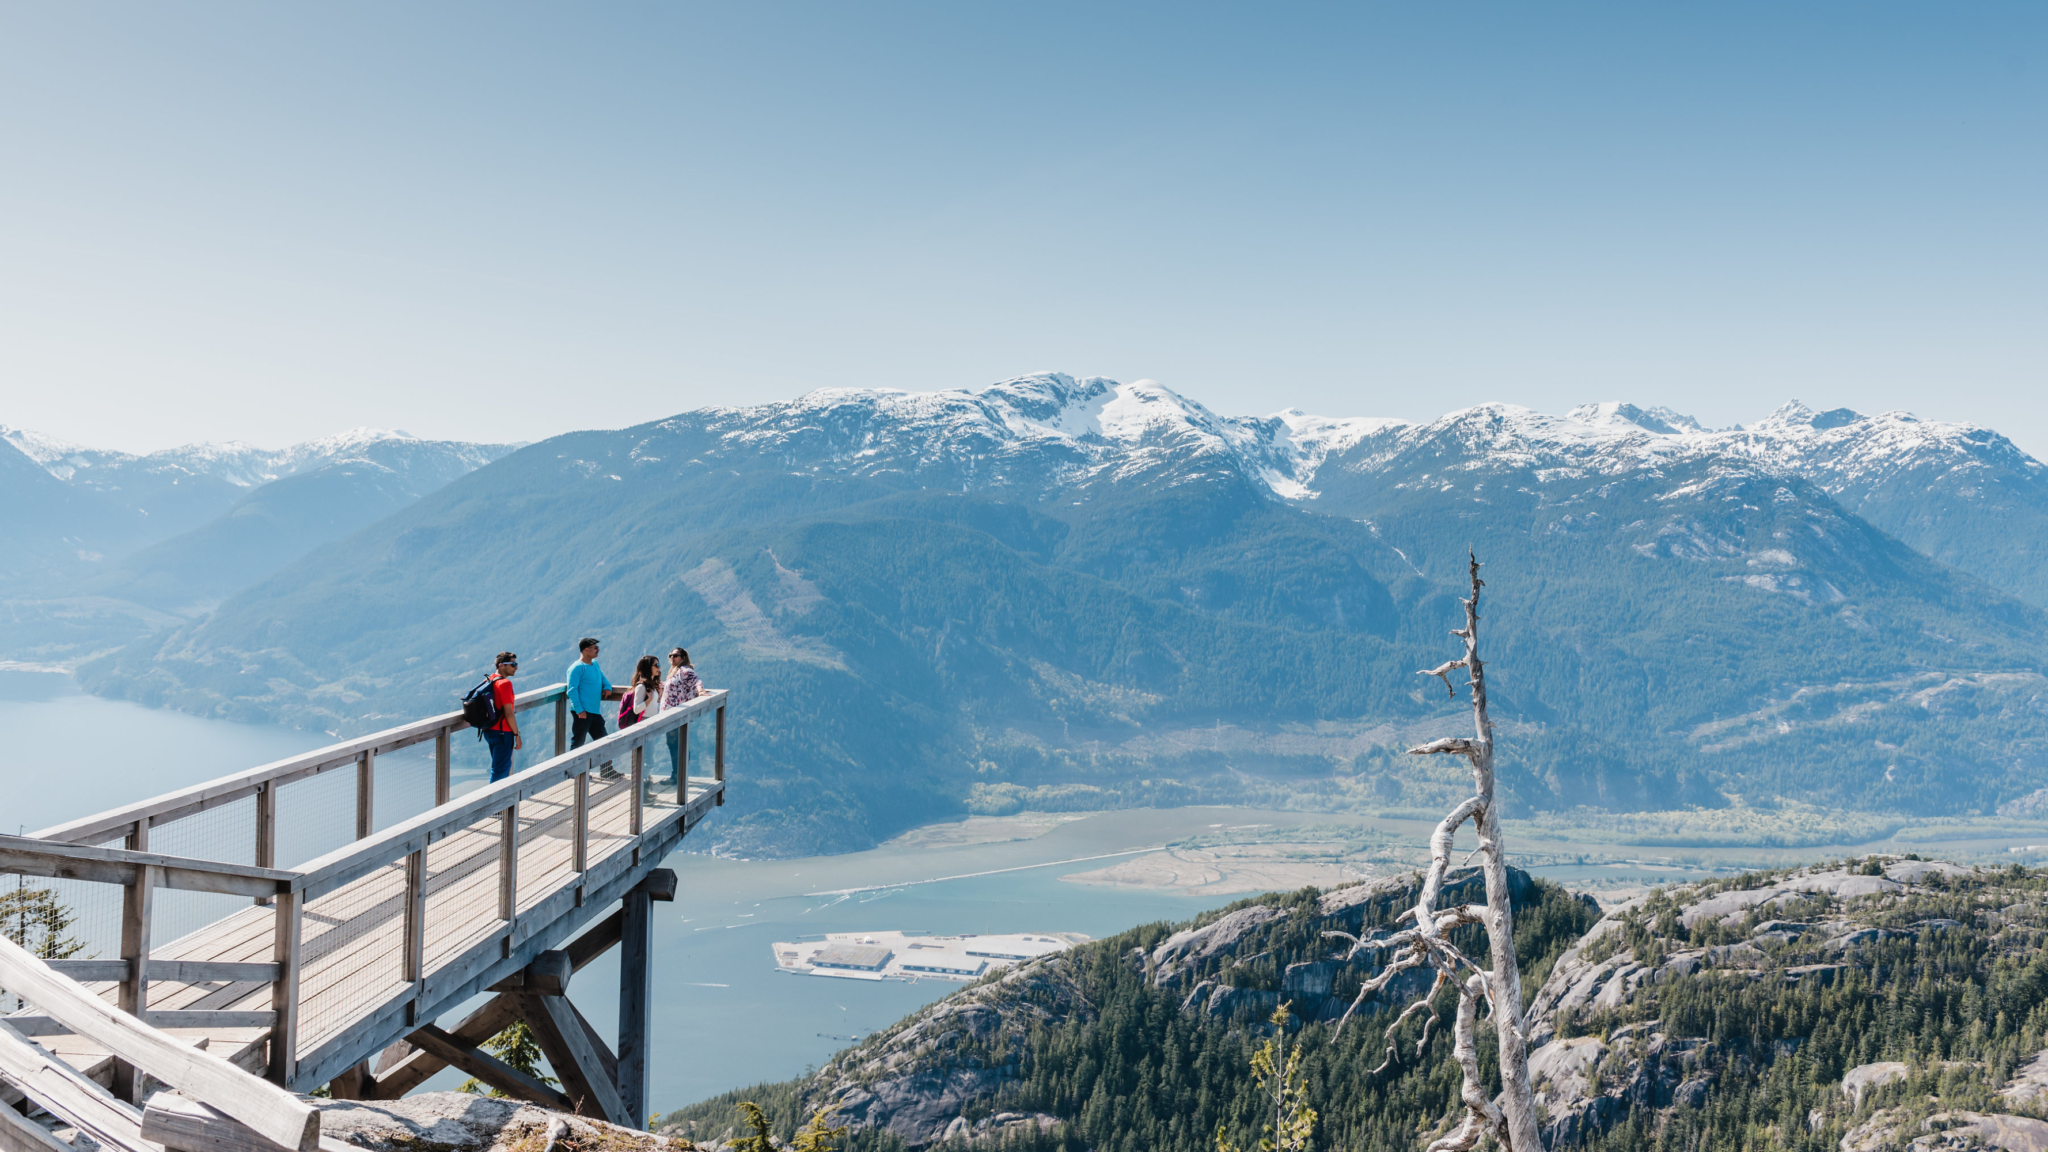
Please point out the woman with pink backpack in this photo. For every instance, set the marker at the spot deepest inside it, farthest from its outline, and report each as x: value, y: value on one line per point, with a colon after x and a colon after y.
x: 643, y: 699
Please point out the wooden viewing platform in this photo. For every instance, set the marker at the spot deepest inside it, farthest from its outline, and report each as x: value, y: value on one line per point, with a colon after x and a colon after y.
x: 354, y: 955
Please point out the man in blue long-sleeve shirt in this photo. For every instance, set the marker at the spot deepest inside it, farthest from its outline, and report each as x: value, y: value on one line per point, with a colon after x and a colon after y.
x: 588, y: 690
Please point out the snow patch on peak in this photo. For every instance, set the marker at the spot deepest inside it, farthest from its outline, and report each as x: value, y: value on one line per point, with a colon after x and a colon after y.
x: 1793, y: 416
x: 1614, y: 413
x: 40, y: 447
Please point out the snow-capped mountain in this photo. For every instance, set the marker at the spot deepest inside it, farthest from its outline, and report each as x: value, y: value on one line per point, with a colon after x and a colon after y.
x: 1046, y: 430
x: 1958, y: 492
x: 239, y: 464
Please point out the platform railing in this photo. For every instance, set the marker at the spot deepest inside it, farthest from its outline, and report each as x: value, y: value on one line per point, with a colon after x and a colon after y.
x: 379, y: 881
x: 134, y: 821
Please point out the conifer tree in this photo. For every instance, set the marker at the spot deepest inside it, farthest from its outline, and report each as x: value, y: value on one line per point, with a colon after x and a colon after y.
x: 35, y: 919
x: 517, y: 1047
x: 1279, y: 1076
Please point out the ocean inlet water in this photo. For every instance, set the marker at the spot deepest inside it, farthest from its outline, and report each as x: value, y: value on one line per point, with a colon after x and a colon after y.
x: 725, y: 1017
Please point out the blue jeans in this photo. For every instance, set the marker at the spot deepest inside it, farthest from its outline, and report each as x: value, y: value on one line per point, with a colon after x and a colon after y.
x: 675, y: 751
x: 501, y: 753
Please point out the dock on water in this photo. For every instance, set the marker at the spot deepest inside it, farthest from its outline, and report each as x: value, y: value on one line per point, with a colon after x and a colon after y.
x: 908, y: 956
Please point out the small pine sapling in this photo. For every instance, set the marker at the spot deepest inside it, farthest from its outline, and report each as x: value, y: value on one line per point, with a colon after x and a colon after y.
x: 1284, y: 1092
x: 517, y: 1047
x: 818, y: 1136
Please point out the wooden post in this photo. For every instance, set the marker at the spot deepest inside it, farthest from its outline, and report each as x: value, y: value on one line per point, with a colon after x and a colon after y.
x: 636, y: 991
x: 639, y: 777
x: 580, y: 839
x: 266, y: 824
x: 415, y: 921
x: 136, y: 907
x: 562, y: 723
x: 284, y: 992
x: 718, y: 755
x: 440, y: 767
x: 683, y: 764
x: 366, y: 794
x: 508, y: 864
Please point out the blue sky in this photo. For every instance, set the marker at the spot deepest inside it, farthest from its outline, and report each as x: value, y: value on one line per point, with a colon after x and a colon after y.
x: 504, y: 221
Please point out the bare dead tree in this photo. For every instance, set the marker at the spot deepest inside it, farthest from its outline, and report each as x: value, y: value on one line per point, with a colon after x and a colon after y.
x: 1512, y: 1120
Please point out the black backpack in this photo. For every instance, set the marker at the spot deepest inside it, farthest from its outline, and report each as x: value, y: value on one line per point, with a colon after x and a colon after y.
x: 480, y: 706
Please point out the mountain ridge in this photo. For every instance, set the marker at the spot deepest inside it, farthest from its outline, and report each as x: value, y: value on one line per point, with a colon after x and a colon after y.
x: 1039, y: 594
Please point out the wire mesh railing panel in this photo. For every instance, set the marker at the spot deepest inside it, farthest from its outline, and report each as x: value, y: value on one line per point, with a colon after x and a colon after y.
x: 351, y: 954
x: 405, y: 785
x: 461, y: 890
x: 547, y: 842
x: 611, y: 812
x: 315, y: 815
x: 58, y: 919
x: 226, y: 833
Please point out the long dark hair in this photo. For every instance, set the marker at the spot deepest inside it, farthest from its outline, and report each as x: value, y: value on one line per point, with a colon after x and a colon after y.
x: 648, y: 672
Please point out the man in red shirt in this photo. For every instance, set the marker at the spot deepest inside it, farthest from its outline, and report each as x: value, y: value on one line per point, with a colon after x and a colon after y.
x: 503, y: 737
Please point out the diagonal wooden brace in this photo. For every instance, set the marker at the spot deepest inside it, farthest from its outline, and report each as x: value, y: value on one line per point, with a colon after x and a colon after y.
x: 568, y: 1048
x: 490, y: 1069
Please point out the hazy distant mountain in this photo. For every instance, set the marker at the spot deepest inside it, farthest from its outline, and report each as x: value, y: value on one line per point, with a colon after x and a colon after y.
x: 1061, y: 592
x: 100, y: 545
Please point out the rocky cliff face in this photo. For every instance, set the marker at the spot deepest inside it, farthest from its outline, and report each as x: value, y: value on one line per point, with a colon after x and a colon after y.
x: 1867, y: 1005
x: 1679, y: 1000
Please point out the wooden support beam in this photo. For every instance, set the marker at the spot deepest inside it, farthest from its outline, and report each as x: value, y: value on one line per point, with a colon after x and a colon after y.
x: 490, y: 1018
x: 636, y: 993
x: 597, y: 1044
x: 595, y: 942
x: 20, y: 1134
x: 508, y: 864
x: 366, y: 794
x: 718, y: 755
x: 489, y: 1069
x: 270, y: 1110
x: 284, y: 991
x: 561, y: 724
x: 266, y: 824
x: 69, y: 1095
x: 137, y: 903
x: 682, y: 738
x: 639, y: 787
x: 548, y: 975
x: 441, y: 762
x: 569, y: 1051
x: 203, y: 1018
x: 413, y: 963
x: 579, y: 836
x: 175, y: 971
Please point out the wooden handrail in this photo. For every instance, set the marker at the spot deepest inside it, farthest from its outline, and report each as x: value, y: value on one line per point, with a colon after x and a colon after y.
x: 227, y: 789
x: 361, y: 857
x: 270, y: 1110
x: 28, y: 856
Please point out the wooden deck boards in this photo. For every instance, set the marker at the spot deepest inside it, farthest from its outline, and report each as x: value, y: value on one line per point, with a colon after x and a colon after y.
x: 352, y: 939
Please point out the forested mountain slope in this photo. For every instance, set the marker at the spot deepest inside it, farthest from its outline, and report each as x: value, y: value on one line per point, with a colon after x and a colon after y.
x: 1063, y: 593
x: 1863, y: 1006
x: 1143, y: 1041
